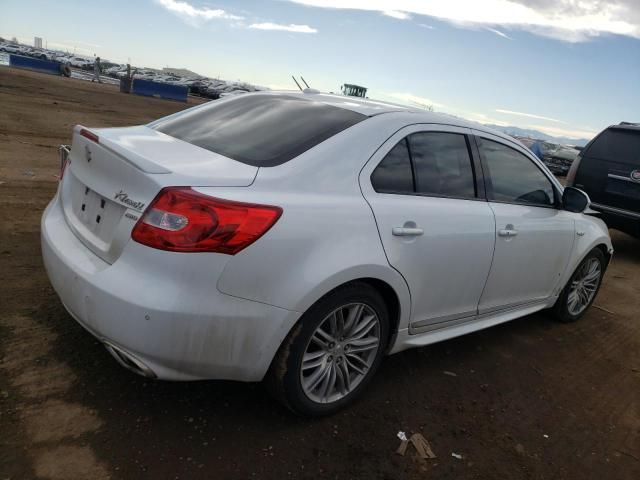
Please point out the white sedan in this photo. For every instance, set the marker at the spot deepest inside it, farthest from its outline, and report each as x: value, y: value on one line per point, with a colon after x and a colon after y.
x: 300, y: 237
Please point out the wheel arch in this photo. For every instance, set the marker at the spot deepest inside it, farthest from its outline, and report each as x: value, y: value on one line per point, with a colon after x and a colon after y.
x: 608, y: 254
x: 386, y: 281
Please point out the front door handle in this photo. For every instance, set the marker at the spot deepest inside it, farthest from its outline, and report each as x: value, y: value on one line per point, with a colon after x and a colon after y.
x: 407, y: 231
x: 507, y: 232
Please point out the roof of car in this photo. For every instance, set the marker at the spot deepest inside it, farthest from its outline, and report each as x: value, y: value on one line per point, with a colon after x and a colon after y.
x: 370, y: 108
x: 627, y: 126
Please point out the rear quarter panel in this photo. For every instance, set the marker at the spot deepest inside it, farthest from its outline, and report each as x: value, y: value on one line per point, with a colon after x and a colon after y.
x: 327, y: 234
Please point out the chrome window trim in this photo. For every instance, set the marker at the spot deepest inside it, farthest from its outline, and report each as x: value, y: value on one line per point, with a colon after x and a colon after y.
x: 624, y: 179
x: 618, y: 211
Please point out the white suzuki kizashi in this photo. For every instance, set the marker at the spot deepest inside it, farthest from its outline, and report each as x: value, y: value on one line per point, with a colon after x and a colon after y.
x: 300, y: 237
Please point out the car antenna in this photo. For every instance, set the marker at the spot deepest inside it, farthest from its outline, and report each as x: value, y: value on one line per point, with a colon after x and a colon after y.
x: 305, y: 82
x: 294, y: 79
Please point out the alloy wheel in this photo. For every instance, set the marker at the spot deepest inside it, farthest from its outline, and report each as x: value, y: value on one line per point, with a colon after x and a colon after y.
x: 340, y: 353
x: 584, y: 286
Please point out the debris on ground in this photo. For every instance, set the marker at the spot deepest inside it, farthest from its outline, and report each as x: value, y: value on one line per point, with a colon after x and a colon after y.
x: 456, y: 455
x: 419, y: 443
x: 603, y: 309
x: 451, y: 374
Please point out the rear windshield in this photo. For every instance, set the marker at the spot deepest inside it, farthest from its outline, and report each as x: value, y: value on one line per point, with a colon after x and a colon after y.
x: 260, y: 130
x: 617, y: 145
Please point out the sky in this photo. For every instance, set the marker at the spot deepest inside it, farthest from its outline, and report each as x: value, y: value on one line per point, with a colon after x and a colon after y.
x: 563, y: 67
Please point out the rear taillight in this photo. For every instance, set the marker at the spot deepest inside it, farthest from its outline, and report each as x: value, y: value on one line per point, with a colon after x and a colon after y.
x: 571, y: 175
x: 90, y: 135
x: 182, y: 220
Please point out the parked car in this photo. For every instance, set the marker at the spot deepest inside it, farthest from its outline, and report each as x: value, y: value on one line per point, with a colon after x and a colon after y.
x: 608, y: 169
x: 10, y: 49
x: 299, y: 238
x: 559, y: 158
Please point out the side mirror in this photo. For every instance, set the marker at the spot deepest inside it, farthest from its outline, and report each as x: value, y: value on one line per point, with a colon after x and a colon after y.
x: 575, y: 200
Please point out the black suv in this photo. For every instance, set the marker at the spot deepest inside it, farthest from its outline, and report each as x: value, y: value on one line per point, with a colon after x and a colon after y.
x: 608, y: 169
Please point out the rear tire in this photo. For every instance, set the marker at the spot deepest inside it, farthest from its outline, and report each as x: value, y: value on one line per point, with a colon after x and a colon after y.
x: 581, y: 289
x: 341, y: 340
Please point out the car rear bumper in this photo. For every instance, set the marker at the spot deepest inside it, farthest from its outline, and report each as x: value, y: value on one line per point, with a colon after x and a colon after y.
x: 160, y: 313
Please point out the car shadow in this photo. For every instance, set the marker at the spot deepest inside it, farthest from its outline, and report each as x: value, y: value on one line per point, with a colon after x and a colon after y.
x: 625, y: 246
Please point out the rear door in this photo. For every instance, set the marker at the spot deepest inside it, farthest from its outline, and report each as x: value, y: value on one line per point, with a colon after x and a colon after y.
x: 533, y: 238
x: 606, y: 171
x: 436, y: 227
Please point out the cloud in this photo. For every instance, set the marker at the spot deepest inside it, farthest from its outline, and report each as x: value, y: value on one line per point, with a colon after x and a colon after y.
x: 397, y: 14
x: 285, y: 28
x: 484, y: 119
x: 567, y: 20
x: 195, y: 15
x: 498, y: 32
x: 424, y: 25
x: 575, y: 133
x: 411, y: 99
x: 528, y: 115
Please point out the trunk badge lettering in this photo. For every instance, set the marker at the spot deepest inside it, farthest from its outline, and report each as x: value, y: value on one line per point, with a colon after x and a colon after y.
x: 122, y: 197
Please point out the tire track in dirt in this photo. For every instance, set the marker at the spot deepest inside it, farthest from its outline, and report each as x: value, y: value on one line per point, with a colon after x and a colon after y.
x: 44, y: 434
x: 53, y: 426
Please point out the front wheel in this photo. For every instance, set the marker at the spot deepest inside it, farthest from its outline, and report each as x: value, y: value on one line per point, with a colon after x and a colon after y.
x: 333, y: 352
x: 582, y: 288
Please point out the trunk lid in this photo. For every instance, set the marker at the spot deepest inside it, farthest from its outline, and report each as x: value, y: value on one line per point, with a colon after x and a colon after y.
x: 108, y: 184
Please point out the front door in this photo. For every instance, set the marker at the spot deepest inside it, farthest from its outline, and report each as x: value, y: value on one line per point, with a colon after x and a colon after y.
x: 436, y: 228
x: 534, y: 238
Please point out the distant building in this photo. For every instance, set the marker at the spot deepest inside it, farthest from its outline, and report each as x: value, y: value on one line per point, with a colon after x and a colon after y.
x: 37, y: 42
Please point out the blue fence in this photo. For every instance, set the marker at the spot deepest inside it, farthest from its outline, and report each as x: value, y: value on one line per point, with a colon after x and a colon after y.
x: 44, y: 66
x: 159, y: 90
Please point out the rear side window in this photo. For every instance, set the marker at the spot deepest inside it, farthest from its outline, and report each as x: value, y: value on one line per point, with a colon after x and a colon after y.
x: 442, y: 164
x: 616, y: 145
x: 427, y: 163
x: 260, y: 130
x: 393, y: 174
x: 513, y: 177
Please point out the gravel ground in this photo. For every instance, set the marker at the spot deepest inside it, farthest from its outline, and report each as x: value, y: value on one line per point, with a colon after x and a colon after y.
x: 531, y: 399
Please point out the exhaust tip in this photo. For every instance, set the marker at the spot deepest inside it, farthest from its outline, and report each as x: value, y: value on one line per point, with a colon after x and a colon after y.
x: 129, y: 361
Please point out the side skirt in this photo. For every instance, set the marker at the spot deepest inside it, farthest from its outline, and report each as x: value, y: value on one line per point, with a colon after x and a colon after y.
x: 438, y: 332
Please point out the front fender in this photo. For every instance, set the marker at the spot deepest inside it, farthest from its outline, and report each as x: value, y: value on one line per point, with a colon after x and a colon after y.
x: 590, y: 233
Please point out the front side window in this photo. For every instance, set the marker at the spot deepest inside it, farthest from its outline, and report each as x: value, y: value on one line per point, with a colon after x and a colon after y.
x: 513, y: 177
x: 442, y: 164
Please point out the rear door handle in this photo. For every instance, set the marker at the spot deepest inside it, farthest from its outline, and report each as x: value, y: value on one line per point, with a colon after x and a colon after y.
x: 407, y: 231
x: 507, y: 232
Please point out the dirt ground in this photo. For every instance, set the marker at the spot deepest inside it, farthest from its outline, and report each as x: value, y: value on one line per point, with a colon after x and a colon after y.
x: 531, y: 399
